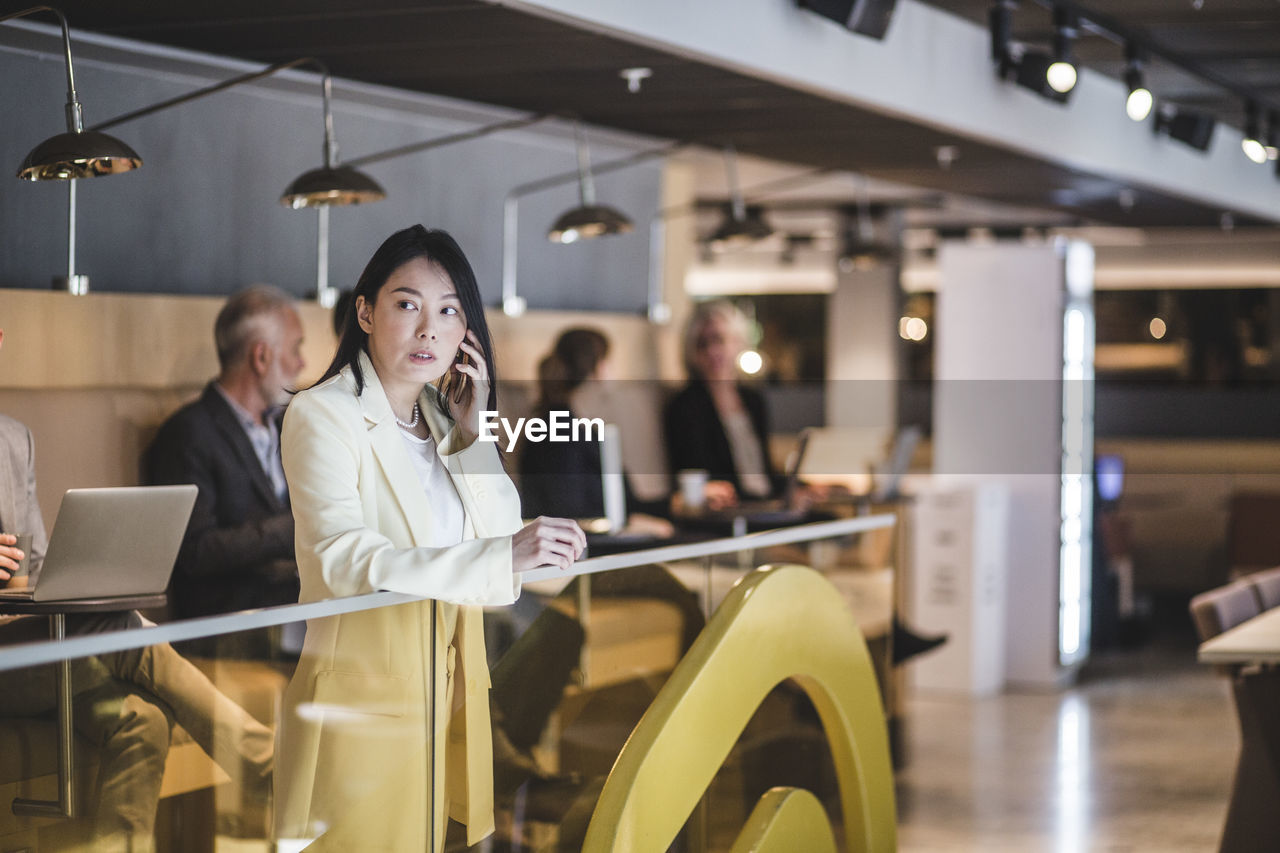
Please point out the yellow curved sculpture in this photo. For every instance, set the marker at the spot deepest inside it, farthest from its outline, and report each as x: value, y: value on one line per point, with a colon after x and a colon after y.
x: 786, y: 819
x: 779, y: 622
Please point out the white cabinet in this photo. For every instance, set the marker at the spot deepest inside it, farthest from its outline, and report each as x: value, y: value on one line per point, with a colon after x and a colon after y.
x: 956, y: 580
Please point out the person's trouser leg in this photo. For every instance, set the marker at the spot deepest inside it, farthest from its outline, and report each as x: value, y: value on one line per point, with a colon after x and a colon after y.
x: 228, y: 733
x: 132, y: 732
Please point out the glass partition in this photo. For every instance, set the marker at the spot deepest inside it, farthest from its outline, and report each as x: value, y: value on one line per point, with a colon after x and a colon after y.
x: 228, y: 733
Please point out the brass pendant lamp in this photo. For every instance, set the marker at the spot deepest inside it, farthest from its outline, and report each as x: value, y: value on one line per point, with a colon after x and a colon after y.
x: 588, y: 219
x: 78, y: 153
x: 331, y: 185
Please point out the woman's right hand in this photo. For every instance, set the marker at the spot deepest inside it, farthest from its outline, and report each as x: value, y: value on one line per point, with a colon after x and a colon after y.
x: 547, y: 542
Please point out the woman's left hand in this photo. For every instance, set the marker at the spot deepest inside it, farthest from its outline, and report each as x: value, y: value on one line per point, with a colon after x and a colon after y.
x: 466, y: 413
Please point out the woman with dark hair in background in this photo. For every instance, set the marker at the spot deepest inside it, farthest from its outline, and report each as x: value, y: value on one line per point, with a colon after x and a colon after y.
x: 564, y: 477
x: 387, y: 716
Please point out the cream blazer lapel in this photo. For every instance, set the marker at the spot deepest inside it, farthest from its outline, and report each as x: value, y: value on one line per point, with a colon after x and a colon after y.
x: 393, y: 458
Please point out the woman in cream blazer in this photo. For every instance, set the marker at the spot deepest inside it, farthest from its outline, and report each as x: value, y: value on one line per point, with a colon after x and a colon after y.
x: 385, y: 730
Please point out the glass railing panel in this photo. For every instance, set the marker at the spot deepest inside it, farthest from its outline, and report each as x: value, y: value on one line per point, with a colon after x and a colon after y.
x: 273, y: 742
x: 785, y: 744
x: 169, y: 750
x: 577, y: 663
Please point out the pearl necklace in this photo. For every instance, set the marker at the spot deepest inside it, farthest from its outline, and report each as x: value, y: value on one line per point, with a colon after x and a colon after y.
x: 411, y: 424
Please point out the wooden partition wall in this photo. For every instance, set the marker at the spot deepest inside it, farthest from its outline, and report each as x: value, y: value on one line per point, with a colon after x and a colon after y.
x: 94, y: 376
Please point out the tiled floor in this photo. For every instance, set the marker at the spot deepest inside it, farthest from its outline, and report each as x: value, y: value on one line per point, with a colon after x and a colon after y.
x: 1138, y: 757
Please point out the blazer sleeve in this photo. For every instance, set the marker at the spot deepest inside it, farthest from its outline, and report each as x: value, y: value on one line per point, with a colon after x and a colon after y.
x: 322, y: 449
x: 28, y: 506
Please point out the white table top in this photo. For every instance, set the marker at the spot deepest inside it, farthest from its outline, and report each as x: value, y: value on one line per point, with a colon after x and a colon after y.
x: 1254, y: 641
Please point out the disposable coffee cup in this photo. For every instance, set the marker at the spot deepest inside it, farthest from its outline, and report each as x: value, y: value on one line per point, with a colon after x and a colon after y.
x: 693, y: 487
x: 19, y: 578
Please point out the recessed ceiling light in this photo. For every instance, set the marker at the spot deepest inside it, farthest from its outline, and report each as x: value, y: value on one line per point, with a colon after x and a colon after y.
x: 635, y: 76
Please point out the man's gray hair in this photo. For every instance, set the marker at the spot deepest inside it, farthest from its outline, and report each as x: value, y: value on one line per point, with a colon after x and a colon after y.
x: 244, y: 320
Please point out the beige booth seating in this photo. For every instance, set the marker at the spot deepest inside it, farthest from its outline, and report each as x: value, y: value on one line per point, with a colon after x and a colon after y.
x: 1178, y: 497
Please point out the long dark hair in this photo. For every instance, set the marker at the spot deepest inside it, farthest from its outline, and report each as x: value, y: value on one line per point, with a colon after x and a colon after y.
x: 397, y: 250
x: 575, y: 356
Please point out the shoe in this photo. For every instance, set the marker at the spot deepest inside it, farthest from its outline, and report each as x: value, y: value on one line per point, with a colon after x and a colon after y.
x: 549, y: 798
x: 908, y: 644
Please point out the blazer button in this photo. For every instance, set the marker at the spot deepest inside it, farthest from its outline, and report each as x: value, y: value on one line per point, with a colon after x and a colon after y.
x: 481, y: 494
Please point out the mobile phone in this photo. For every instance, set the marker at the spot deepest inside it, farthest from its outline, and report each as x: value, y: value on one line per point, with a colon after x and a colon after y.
x: 458, y: 382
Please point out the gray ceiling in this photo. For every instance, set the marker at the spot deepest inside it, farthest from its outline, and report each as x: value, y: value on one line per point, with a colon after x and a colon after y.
x: 483, y: 52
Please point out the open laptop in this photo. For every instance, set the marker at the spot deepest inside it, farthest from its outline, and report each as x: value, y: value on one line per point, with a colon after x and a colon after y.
x: 887, y: 476
x: 112, y: 542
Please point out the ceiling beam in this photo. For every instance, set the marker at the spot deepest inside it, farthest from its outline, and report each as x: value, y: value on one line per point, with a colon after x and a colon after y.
x: 933, y: 69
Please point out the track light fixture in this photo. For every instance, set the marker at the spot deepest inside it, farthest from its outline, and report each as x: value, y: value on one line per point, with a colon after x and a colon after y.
x: 1139, y: 102
x: 1252, y: 142
x: 1061, y: 73
x: 1053, y: 74
x: 1037, y: 70
x: 1188, y: 127
x: 1032, y: 72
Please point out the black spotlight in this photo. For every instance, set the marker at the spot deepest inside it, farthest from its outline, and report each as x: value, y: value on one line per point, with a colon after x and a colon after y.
x: 1186, y: 126
x: 1139, y: 101
x: 1032, y: 72
x: 865, y: 17
x: 1252, y: 143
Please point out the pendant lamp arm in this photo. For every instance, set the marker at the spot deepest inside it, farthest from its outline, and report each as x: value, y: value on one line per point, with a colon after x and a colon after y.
x: 330, y: 139
x: 866, y: 228
x: 75, y: 120
x: 200, y: 93
x: 586, y: 184
x: 607, y: 166
x: 326, y: 88
x: 441, y: 141
x: 739, y: 206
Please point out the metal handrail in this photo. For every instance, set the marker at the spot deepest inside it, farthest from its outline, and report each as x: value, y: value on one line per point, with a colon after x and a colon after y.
x: 49, y: 651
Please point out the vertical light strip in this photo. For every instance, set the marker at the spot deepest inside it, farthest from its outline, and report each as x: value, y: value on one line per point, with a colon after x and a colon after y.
x: 1075, y: 555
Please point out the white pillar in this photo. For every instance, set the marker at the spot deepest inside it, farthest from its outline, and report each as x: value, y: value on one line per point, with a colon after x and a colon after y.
x: 998, y: 417
x: 862, y: 350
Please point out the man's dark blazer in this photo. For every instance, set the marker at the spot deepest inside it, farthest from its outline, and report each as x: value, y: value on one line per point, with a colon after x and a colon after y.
x: 238, y: 549
x: 695, y: 438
